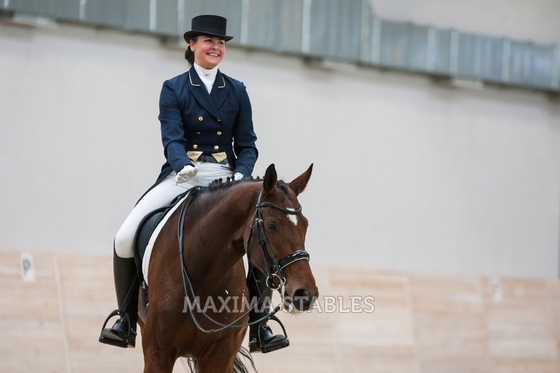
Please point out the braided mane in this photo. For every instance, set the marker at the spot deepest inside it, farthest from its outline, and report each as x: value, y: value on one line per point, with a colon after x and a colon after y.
x: 220, y: 184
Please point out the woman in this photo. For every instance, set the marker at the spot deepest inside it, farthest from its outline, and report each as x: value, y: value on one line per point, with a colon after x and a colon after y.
x: 207, y: 133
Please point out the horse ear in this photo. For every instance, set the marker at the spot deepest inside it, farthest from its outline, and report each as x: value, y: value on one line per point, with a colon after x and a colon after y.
x: 270, y: 178
x: 299, y: 183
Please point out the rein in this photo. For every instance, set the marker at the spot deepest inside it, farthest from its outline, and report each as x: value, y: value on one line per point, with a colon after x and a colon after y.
x: 274, y: 265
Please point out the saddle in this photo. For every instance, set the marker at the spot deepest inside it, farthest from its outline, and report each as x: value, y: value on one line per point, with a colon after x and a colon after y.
x: 146, y: 229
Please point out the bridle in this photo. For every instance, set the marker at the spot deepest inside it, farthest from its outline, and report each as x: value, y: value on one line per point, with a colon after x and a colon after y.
x: 274, y: 266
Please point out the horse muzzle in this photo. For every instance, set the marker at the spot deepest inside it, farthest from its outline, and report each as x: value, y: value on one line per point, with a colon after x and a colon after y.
x: 301, y: 300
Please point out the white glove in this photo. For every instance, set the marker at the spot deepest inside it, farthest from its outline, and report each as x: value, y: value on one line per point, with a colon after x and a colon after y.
x: 238, y: 176
x: 187, y: 173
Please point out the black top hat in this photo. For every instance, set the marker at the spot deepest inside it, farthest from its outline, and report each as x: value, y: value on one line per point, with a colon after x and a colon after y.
x: 208, y: 25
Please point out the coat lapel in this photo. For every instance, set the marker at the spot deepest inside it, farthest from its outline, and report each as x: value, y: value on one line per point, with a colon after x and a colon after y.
x: 200, y: 94
x: 219, y: 90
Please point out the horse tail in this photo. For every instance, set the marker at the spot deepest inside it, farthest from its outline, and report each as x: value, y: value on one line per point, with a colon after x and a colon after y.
x: 239, y: 365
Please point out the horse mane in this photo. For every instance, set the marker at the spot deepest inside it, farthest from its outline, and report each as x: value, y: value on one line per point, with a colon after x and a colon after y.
x: 220, y: 184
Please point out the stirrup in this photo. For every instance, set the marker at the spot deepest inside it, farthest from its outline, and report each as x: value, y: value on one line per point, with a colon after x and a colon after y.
x: 256, y: 344
x: 129, y: 340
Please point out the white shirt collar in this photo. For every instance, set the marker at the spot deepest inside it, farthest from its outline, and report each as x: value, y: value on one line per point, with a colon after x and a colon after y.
x: 207, y: 76
x: 204, y: 73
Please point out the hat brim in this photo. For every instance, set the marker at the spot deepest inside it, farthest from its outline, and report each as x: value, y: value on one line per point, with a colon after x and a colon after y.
x: 190, y: 34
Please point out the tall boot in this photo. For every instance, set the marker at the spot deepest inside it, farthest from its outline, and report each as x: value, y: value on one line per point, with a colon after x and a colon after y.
x: 127, y: 284
x: 261, y: 337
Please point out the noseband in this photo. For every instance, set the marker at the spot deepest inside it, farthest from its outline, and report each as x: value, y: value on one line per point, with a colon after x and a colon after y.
x: 274, y: 266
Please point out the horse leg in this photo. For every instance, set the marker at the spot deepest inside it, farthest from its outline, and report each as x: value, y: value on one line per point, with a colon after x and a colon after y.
x: 216, y: 363
x: 221, y: 355
x: 156, y: 359
x: 158, y: 362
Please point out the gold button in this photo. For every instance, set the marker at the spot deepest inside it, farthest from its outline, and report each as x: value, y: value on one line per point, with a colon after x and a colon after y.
x: 198, y: 133
x: 219, y: 133
x: 200, y: 119
x: 216, y: 147
x: 219, y: 120
x: 195, y: 146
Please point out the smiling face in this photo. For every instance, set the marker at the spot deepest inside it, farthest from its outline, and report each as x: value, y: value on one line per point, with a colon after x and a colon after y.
x: 208, y: 51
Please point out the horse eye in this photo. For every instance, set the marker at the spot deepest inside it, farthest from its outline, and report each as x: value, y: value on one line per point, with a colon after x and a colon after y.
x: 272, y: 226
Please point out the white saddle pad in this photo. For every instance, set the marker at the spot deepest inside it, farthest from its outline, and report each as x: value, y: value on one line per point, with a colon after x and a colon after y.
x: 155, y: 234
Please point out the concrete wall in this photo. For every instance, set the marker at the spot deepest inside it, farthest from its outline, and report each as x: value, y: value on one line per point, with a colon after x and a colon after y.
x: 409, y: 174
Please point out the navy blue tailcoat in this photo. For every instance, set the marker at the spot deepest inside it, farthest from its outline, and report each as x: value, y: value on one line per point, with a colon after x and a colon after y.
x: 194, y: 120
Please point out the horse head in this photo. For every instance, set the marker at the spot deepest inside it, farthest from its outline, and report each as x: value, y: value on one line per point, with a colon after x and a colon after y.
x: 276, y: 242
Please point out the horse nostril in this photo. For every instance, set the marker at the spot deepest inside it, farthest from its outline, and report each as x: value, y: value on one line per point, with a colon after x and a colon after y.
x: 302, y: 300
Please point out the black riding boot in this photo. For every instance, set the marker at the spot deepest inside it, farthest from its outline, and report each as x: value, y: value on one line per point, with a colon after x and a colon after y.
x: 261, y: 337
x: 123, y: 332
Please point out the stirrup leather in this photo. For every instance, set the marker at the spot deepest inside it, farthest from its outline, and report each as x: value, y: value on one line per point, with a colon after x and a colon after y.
x: 128, y: 341
x: 256, y: 344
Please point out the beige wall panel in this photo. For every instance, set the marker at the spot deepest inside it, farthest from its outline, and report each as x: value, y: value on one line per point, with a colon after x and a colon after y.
x: 468, y: 329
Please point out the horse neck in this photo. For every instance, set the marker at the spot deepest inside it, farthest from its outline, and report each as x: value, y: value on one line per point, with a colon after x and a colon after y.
x: 217, y: 242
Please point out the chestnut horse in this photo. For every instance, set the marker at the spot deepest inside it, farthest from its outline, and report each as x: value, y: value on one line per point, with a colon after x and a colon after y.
x: 198, y: 297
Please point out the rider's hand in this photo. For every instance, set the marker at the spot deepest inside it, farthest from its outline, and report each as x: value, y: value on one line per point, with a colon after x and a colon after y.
x: 187, y: 173
x: 238, y: 176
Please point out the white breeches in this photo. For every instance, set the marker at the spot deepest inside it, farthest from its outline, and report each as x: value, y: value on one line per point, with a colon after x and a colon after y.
x: 161, y: 195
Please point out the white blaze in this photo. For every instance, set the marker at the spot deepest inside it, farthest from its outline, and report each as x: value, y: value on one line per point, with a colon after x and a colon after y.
x: 292, y: 217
